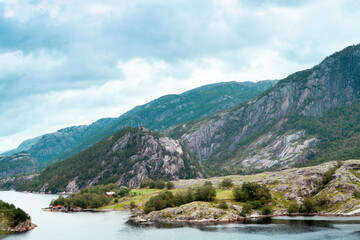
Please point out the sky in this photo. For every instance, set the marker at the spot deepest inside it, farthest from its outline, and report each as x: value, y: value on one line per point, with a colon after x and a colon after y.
x: 65, y: 63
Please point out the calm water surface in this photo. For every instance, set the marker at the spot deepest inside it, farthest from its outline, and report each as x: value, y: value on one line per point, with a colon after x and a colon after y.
x: 114, y: 225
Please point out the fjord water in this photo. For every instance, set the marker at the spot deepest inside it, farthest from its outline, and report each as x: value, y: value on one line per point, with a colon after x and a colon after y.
x: 115, y: 225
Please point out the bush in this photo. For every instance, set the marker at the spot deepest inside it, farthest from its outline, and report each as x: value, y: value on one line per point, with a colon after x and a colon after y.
x: 170, y: 185
x: 246, y: 209
x: 223, y: 205
x: 208, y: 183
x: 293, y: 208
x: 205, y: 193
x: 227, y: 183
x: 59, y: 201
x: 147, y: 183
x: 257, y: 204
x: 160, y: 184
x: 356, y: 194
x: 250, y: 192
x: 266, y: 210
x: 116, y: 201
x: 308, y: 206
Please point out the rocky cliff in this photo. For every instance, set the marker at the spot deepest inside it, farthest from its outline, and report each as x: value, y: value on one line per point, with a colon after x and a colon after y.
x: 222, y: 137
x: 124, y: 158
x: 156, y: 115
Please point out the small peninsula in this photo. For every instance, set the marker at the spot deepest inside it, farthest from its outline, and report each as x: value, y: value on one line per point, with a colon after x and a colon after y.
x: 14, y: 220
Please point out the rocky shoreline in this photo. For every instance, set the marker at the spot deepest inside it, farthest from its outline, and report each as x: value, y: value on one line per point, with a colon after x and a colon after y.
x: 22, y: 227
x: 232, y: 219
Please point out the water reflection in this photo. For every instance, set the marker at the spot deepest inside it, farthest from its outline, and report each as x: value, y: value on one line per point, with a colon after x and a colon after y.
x: 265, y: 226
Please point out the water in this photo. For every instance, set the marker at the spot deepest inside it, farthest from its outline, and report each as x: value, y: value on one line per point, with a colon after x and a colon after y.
x: 114, y: 225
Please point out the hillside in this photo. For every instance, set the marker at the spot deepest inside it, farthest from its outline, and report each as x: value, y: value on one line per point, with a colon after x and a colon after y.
x: 155, y: 115
x: 252, y: 135
x: 124, y: 158
x: 17, y: 164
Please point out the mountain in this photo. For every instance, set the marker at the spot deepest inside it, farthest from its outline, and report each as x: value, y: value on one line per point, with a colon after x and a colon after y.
x: 17, y: 164
x: 280, y: 126
x: 125, y: 158
x: 156, y: 115
x: 24, y: 146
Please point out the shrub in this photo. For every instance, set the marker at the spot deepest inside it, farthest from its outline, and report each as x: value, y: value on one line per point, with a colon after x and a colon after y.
x: 227, y: 183
x: 266, y: 210
x: 223, y: 205
x: 250, y: 192
x: 293, y: 208
x: 170, y: 185
x: 59, y: 201
x: 160, y: 184
x: 147, y: 183
x: 308, y: 206
x: 356, y: 194
x: 246, y: 209
x: 205, y: 193
x: 208, y: 183
x: 257, y: 204
x: 116, y: 201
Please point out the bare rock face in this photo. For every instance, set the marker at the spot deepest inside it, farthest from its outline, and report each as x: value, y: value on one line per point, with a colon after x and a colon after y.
x: 124, y: 158
x: 334, y: 82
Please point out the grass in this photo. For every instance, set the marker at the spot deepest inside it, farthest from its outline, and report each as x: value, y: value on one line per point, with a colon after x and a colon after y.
x: 224, y: 194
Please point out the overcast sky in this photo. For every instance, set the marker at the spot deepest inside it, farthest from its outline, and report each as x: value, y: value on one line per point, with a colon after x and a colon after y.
x: 65, y: 63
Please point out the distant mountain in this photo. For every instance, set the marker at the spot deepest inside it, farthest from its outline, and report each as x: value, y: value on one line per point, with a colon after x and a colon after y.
x: 299, y: 120
x: 24, y: 146
x: 17, y: 164
x: 156, y: 115
x: 125, y: 158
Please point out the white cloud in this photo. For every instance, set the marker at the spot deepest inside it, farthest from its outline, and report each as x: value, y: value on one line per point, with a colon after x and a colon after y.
x: 68, y: 62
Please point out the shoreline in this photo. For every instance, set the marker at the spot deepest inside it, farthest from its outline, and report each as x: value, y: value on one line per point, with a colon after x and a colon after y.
x: 237, y: 219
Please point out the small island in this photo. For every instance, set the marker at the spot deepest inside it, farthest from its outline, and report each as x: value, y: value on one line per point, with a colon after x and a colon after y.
x: 329, y: 189
x: 14, y: 220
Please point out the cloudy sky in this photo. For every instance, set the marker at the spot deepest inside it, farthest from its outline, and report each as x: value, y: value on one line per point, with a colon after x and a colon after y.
x: 66, y: 63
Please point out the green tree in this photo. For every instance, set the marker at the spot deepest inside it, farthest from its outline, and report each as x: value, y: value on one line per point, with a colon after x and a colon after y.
x: 205, y: 193
x: 227, y: 183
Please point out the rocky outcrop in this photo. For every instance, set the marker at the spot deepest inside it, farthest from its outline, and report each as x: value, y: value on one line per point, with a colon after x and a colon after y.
x: 334, y: 82
x: 17, y: 164
x: 22, y: 227
x: 195, y: 212
x: 124, y: 158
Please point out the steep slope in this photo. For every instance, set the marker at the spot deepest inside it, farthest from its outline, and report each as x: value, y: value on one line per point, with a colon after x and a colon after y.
x: 17, y: 164
x: 232, y: 138
x: 156, y: 115
x: 125, y: 158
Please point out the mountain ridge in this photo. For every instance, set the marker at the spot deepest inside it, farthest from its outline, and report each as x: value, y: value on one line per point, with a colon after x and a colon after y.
x: 335, y: 82
x: 156, y: 115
